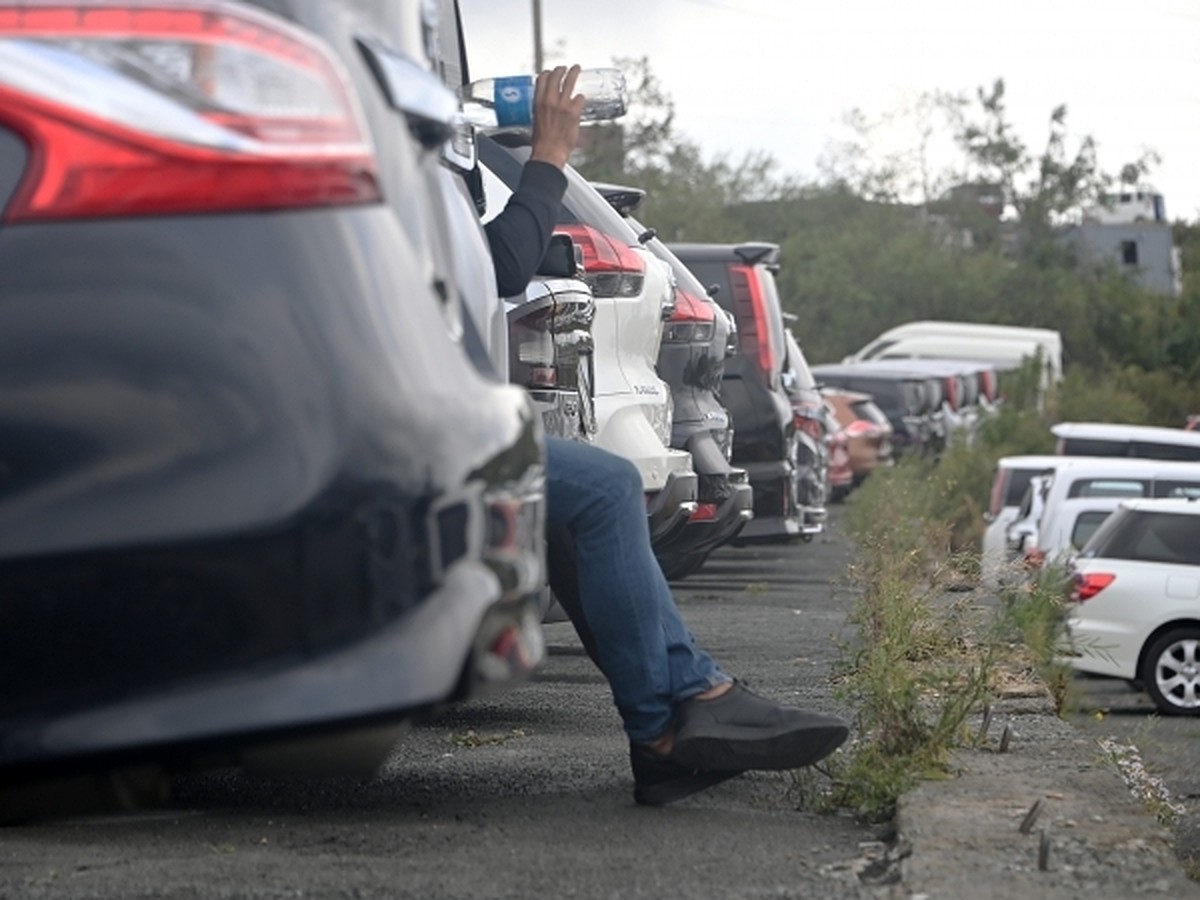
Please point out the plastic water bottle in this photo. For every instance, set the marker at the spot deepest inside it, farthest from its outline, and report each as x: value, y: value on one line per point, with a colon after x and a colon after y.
x: 508, y: 102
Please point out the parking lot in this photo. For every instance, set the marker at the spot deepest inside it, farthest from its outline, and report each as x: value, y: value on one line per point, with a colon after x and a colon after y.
x: 523, y: 793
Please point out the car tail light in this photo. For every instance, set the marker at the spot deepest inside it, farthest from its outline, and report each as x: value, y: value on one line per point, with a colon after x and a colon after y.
x: 987, y: 385
x: 952, y: 397
x: 758, y: 344
x: 704, y: 512
x: 693, y: 320
x: 811, y: 421
x: 138, y: 108
x: 1034, y: 558
x: 1087, y: 585
x: 612, y: 269
x: 861, y: 428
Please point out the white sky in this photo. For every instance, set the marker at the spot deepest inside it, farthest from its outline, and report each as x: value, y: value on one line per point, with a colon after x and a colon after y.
x: 778, y: 75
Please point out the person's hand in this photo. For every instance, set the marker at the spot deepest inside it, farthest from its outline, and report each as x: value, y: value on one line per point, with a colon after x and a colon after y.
x: 556, y: 112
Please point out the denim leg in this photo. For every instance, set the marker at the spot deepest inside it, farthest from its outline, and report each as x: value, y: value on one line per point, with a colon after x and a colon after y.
x: 647, y: 654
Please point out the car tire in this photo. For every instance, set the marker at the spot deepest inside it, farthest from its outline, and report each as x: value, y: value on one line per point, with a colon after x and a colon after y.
x: 1171, y: 672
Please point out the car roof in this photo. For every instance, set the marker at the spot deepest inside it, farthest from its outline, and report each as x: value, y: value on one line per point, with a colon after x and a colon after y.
x: 1118, y: 431
x: 1179, y: 505
x: 1034, y: 461
x: 1124, y: 465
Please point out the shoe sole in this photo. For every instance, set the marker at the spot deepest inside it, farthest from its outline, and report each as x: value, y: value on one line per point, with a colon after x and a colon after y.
x: 678, y: 788
x: 791, y: 750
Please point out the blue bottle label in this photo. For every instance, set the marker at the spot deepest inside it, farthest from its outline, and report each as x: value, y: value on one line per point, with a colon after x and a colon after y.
x: 513, y: 97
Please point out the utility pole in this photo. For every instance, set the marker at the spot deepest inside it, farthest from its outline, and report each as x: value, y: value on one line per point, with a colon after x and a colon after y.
x: 537, y: 36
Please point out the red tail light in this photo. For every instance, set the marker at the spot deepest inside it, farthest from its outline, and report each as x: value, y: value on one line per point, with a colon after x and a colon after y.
x: 861, y: 428
x: 759, y: 343
x: 693, y: 319
x: 613, y: 269
x: 1088, y: 584
x: 1035, y: 558
x: 140, y: 109
x: 810, y: 421
x: 987, y: 381
x: 952, y: 391
x: 705, y: 512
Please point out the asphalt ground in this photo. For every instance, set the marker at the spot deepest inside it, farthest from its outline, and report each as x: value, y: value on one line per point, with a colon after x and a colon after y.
x: 527, y: 793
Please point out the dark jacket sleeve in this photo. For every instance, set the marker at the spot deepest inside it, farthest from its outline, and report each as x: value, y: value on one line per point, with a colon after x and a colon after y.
x: 520, y: 235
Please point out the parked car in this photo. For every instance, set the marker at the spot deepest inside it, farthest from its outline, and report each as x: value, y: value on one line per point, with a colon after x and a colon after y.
x: 868, y: 432
x: 1010, y: 480
x: 1063, y: 530
x: 633, y: 294
x: 550, y: 347
x: 841, y: 474
x: 965, y: 396
x: 1113, y: 439
x: 253, y: 492
x: 1135, y: 588
x: 910, y: 400
x: 765, y: 443
x: 1006, y: 346
x: 1099, y: 477
x: 697, y: 339
x: 810, y: 412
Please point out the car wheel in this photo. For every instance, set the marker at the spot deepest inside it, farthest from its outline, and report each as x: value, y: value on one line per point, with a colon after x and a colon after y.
x: 1171, y: 673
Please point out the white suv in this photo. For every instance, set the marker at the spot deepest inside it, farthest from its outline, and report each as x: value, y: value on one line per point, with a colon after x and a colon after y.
x: 633, y: 292
x: 1136, y: 588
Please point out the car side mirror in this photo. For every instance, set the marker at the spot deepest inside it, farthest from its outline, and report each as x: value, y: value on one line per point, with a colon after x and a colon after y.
x: 562, y: 259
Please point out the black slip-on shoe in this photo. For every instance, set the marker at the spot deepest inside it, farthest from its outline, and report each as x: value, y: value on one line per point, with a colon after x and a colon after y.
x: 658, y: 780
x: 742, y: 730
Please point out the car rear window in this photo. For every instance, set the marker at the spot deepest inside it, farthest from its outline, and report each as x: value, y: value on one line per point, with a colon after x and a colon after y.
x: 713, y: 272
x: 1018, y: 484
x: 1184, y: 490
x: 1085, y: 526
x: 1149, y: 536
x: 1109, y: 487
x: 1073, y: 446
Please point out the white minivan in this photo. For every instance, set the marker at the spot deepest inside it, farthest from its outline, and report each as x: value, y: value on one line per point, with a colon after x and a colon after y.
x: 1006, y: 346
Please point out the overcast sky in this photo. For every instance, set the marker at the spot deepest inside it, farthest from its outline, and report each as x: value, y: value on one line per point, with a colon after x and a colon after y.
x: 778, y: 75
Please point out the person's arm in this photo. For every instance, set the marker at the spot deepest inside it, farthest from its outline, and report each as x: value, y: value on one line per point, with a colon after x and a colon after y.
x: 519, y: 236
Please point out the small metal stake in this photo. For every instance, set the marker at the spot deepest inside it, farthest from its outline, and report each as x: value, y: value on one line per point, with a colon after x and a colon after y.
x: 1031, y: 816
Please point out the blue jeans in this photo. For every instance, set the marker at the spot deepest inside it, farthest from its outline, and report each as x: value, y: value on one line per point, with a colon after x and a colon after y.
x: 643, y: 648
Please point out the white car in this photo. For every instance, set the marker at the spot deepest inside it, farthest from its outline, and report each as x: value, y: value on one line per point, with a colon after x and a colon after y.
x: 1098, y: 476
x: 1064, y: 530
x: 1010, y: 481
x: 1138, y: 441
x: 1136, y: 602
x: 633, y: 291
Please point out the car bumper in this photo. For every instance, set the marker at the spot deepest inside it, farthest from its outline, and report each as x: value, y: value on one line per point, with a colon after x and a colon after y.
x: 711, y: 525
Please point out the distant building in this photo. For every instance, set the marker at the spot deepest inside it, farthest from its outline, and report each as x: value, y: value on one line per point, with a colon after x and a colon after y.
x: 1130, y: 231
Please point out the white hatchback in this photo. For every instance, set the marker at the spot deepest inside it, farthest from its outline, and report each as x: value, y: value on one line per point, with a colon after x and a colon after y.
x: 1135, y: 592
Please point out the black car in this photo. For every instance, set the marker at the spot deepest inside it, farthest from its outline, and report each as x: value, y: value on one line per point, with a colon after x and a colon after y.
x: 252, y: 491
x: 740, y: 277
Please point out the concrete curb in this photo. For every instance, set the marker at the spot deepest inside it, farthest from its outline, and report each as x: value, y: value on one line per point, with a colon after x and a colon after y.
x: 1049, y: 818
